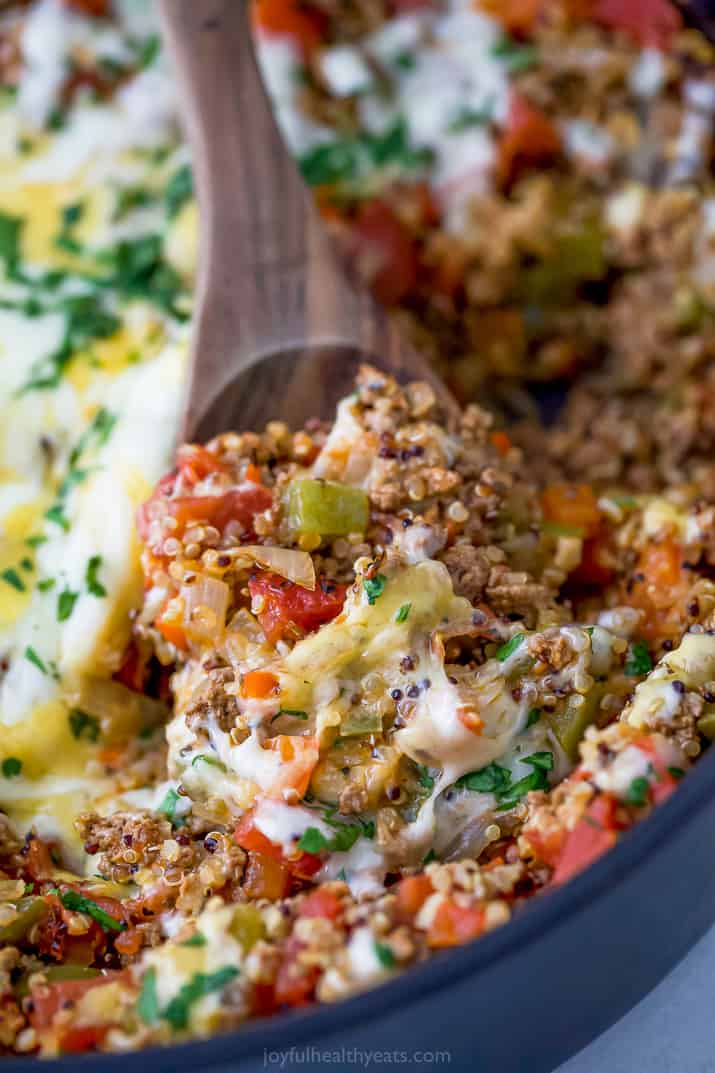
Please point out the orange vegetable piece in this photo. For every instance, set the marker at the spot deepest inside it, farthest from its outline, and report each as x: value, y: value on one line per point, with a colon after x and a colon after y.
x: 518, y: 17
x: 320, y: 903
x: 257, y: 685
x: 266, y: 877
x: 171, y: 626
x: 530, y: 139
x: 455, y: 924
x: 501, y: 441
x: 412, y: 892
x: 571, y: 505
x: 299, y: 754
x: 659, y: 590
x: 292, y: 17
x: 592, y: 836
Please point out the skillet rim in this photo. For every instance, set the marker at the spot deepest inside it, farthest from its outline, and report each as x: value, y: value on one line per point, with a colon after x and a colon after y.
x: 281, y: 1032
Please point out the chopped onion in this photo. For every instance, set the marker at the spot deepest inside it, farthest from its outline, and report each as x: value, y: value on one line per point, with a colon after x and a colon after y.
x: 122, y: 713
x: 296, y: 566
x: 205, y: 607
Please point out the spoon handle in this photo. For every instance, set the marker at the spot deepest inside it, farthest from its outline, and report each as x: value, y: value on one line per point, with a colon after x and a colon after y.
x: 268, y: 279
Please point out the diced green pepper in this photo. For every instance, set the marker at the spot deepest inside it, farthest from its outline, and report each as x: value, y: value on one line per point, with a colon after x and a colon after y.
x: 55, y: 974
x: 326, y: 508
x: 576, y: 258
x: 570, y: 722
x: 29, y: 911
x: 247, y: 926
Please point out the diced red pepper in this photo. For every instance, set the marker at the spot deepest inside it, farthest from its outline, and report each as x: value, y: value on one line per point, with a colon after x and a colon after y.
x: 412, y: 892
x: 386, y: 252
x: 295, y: 982
x: 195, y: 463
x: 594, y: 834
x: 455, y: 924
x: 320, y: 903
x: 518, y: 17
x: 529, y: 140
x: 289, y: 610
x: 81, y: 1038
x: 647, y: 22
x: 295, y: 18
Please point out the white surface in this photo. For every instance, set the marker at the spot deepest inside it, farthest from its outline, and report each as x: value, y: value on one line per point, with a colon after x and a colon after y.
x: 670, y: 1031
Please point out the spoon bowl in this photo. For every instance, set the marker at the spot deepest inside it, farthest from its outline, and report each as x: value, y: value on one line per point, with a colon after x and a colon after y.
x: 280, y: 329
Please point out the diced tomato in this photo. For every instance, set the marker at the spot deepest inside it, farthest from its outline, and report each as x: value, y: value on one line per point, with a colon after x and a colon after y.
x: 289, y: 610
x: 95, y: 8
x: 320, y: 903
x: 249, y: 837
x: 659, y: 588
x: 411, y: 893
x: 129, y: 942
x: 295, y: 982
x: 518, y: 17
x: 38, y: 860
x: 455, y: 924
x: 299, y: 754
x: 49, y: 999
x: 133, y: 670
x: 195, y: 463
x: 647, y: 22
x: 594, y: 834
x: 501, y: 441
x: 572, y: 505
x: 295, y: 18
x: 81, y: 1038
x: 257, y: 685
x: 266, y: 877
x: 239, y: 505
x: 663, y: 783
x: 529, y: 140
x: 386, y: 252
x: 170, y: 624
x: 163, y: 488
x: 594, y: 568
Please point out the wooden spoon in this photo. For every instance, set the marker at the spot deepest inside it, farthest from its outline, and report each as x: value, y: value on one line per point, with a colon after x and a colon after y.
x: 279, y: 329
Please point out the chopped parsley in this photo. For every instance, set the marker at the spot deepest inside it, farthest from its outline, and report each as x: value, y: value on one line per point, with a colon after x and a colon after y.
x: 35, y: 540
x: 130, y: 198
x: 45, y: 584
x: 77, y: 903
x: 56, y: 515
x: 638, y: 792
x: 46, y: 668
x: 516, y: 57
x: 497, y: 780
x: 347, y: 160
x: 385, y: 955
x: 533, y: 717
x: 71, y: 216
x: 676, y: 772
x: 10, y: 238
x: 65, y: 604
x: 403, y: 613
x: 201, y: 984
x: 468, y: 118
x: 168, y: 805
x: 179, y: 190
x: 374, y: 587
x: 148, y: 1001
x: 405, y: 60
x: 137, y: 269
x: 197, y: 939
x: 425, y: 779
x: 346, y: 835
x: 11, y: 767
x: 83, y: 725
x: 511, y: 646
x: 94, y: 585
x: 639, y: 661
x: 148, y: 50
x: 206, y: 759
x: 11, y: 577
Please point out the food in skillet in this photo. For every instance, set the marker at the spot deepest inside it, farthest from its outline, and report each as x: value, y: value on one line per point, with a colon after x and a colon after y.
x: 387, y: 681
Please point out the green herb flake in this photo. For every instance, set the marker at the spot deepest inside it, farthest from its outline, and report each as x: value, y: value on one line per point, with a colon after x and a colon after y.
x: 516, y: 57
x: 35, y: 540
x: 385, y: 955
x: 77, y: 903
x: 639, y: 661
x: 374, y: 587
x: 56, y: 515
x: 491, y: 779
x: 205, y: 759
x: 178, y: 1011
x: 11, y: 577
x: 676, y: 772
x: 32, y: 656
x: 45, y: 584
x: 168, y: 805
x: 83, y: 725
x: 426, y: 780
x: 65, y: 604
x: 405, y: 60
x: 11, y: 767
x: 469, y: 118
x: 197, y: 939
x: 533, y: 717
x: 148, y: 50
x: 403, y: 613
x: 94, y: 585
x: 638, y: 792
x: 511, y: 646
x: 148, y: 1001
x: 10, y: 238
x: 179, y: 190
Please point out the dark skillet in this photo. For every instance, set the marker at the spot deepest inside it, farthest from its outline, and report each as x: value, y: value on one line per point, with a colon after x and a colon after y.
x: 520, y: 1000
x: 523, y: 998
